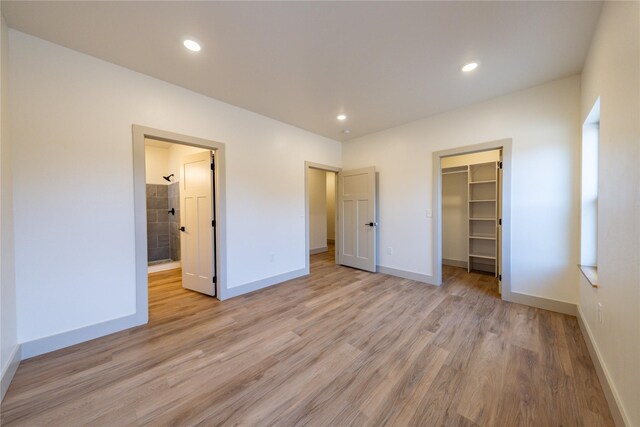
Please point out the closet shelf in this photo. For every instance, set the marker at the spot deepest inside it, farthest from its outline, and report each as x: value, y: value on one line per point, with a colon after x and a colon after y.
x: 482, y: 201
x: 482, y: 182
x: 482, y: 219
x: 481, y: 256
x: 483, y: 237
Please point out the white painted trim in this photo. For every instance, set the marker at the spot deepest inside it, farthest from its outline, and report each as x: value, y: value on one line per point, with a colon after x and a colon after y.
x: 411, y: 275
x: 10, y: 370
x: 262, y: 283
x: 543, y: 303
x: 318, y: 250
x: 164, y: 266
x: 613, y: 398
x: 65, y: 339
x: 454, y: 263
x: 326, y: 168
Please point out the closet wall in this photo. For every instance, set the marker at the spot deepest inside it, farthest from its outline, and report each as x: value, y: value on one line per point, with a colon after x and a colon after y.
x: 455, y: 207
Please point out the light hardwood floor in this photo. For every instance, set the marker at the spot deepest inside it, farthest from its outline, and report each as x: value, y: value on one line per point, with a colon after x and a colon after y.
x: 340, y: 347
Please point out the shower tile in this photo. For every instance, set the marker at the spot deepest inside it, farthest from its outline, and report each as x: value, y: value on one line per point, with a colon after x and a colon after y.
x: 157, y: 203
x: 174, y: 202
x: 156, y: 254
x: 158, y: 228
x: 175, y: 218
x: 173, y: 228
x: 151, y: 215
x: 173, y: 189
x: 175, y: 248
x: 163, y: 241
x: 151, y: 190
x: 162, y: 215
x: 162, y: 190
x: 152, y: 241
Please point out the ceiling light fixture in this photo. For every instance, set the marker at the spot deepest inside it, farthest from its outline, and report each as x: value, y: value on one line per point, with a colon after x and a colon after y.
x: 342, y: 117
x: 192, y: 45
x: 469, y: 67
x: 346, y: 131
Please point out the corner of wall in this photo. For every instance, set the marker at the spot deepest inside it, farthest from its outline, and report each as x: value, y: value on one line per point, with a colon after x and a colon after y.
x: 9, y: 370
x: 9, y: 347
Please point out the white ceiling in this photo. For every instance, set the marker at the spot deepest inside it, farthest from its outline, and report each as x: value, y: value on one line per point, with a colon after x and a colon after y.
x: 381, y: 63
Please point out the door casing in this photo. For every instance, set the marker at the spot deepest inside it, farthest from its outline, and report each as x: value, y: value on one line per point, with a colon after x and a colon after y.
x: 140, y: 216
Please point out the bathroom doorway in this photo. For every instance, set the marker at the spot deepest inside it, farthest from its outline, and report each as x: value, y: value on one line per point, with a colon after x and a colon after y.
x: 178, y: 183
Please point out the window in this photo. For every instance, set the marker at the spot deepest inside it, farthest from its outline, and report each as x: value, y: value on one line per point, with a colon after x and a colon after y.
x: 589, y: 199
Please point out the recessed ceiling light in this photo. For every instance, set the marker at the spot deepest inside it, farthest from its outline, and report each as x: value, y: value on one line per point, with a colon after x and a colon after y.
x: 346, y: 131
x: 342, y: 117
x: 469, y: 67
x: 192, y: 45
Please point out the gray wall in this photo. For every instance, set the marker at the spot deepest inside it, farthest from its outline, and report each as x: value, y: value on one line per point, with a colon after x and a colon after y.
x: 163, y: 238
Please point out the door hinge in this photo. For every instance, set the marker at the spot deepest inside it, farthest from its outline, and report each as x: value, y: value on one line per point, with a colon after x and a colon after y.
x: 213, y: 223
x: 500, y: 221
x: 500, y: 277
x: 214, y: 280
x: 212, y: 166
x: 499, y: 165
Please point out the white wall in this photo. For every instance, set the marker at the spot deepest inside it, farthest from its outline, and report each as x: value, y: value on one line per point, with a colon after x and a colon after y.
x: 8, y: 325
x: 455, y: 217
x: 331, y: 206
x: 176, y: 153
x: 612, y: 72
x: 544, y: 124
x: 317, y: 209
x: 71, y: 117
x: 156, y: 163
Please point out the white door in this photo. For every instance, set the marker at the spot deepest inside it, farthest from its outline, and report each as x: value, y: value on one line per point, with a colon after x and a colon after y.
x: 196, y: 218
x: 357, y: 218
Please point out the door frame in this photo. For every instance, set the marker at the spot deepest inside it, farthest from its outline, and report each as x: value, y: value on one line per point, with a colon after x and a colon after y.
x: 140, y: 133
x: 326, y: 168
x: 505, y: 145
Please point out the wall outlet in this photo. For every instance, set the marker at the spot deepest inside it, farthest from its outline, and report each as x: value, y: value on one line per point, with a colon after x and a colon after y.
x: 429, y: 213
x: 600, y: 319
x: 389, y: 250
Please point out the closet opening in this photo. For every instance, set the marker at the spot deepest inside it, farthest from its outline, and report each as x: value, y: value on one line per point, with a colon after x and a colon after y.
x: 469, y: 219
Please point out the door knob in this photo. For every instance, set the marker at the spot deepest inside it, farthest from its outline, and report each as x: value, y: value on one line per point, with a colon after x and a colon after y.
x: 182, y: 229
x: 372, y: 224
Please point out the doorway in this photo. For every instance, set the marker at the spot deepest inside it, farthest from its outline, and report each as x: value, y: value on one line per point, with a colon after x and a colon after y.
x: 180, y: 217
x: 184, y: 147
x: 471, y: 225
x: 321, y: 183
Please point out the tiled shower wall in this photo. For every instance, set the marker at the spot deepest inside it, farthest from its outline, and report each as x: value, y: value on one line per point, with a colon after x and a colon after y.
x: 163, y: 236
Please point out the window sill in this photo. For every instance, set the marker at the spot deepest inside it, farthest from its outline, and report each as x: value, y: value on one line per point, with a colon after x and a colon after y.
x: 590, y: 273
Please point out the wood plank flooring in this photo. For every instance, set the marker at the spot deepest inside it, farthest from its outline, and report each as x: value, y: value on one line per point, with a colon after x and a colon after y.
x: 340, y: 347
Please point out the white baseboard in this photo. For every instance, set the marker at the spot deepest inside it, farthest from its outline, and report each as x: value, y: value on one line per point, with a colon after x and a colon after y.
x: 615, y: 406
x: 411, y: 275
x: 66, y: 339
x: 543, y: 303
x: 455, y: 263
x: 10, y: 370
x: 261, y: 284
x: 164, y: 266
x: 318, y: 250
